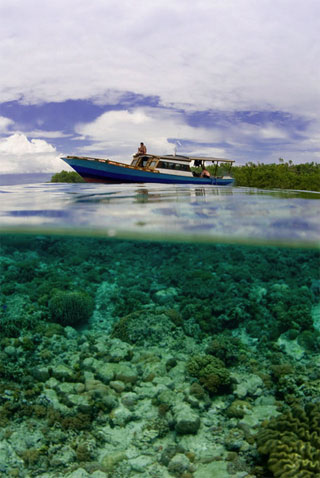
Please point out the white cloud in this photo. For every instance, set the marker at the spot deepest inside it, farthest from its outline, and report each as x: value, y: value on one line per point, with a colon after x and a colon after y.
x: 120, y: 132
x: 225, y: 54
x: 19, y: 144
x: 47, y: 134
x: 5, y: 123
x: 18, y: 154
x: 272, y: 132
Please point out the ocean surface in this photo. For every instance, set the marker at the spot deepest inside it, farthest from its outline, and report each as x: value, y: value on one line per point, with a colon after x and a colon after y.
x: 158, y: 331
x: 163, y: 211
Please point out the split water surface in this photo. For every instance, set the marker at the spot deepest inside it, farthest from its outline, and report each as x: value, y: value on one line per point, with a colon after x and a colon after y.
x: 159, y: 332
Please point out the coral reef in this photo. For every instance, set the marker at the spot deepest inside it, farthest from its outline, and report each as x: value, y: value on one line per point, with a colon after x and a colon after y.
x: 70, y: 308
x: 246, y: 287
x: 17, y: 313
x: 210, y: 371
x: 226, y: 348
x: 144, y: 325
x: 291, y: 443
x: 143, y: 387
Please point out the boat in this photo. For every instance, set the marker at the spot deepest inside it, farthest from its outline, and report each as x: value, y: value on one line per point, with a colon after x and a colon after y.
x: 149, y: 168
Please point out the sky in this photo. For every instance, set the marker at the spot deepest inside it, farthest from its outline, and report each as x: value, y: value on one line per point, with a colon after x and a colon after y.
x: 238, y: 79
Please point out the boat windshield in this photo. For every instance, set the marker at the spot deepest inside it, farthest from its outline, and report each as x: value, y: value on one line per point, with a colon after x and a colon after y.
x: 152, y: 164
x: 140, y: 162
x: 143, y: 162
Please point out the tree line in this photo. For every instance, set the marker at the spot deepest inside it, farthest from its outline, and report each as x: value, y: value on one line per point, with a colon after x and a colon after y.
x: 285, y: 175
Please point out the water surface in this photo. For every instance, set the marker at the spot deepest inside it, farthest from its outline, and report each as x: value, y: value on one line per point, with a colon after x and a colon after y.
x: 164, y: 211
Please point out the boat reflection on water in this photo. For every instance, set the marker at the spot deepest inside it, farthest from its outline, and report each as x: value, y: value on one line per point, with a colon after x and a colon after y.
x: 149, y: 194
x: 213, y: 191
x: 155, y: 193
x: 200, y: 192
x: 144, y: 195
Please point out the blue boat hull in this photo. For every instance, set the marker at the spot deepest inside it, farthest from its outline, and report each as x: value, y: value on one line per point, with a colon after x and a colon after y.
x: 95, y: 171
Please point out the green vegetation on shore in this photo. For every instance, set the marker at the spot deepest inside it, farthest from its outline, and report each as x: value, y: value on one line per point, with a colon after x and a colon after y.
x: 67, y: 177
x: 284, y: 175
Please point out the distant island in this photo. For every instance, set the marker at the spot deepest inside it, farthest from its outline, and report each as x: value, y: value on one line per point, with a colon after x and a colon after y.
x: 285, y: 175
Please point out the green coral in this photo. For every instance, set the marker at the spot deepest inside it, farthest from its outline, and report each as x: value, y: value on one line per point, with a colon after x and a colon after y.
x: 227, y: 348
x: 210, y: 371
x: 291, y: 443
x: 143, y: 326
x: 17, y: 313
x: 70, y: 308
x: 310, y: 340
x: 261, y: 289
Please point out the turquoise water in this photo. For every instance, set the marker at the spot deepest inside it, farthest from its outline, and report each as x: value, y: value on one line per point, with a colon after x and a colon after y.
x: 158, y: 332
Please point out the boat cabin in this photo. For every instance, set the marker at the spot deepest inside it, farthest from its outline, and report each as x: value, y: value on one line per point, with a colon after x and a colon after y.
x: 175, y: 164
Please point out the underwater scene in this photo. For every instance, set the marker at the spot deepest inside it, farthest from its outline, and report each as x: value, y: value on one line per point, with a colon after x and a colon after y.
x: 159, y: 332
x: 126, y: 359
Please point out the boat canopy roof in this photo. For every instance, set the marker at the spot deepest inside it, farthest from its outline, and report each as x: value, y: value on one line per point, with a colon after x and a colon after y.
x: 188, y: 159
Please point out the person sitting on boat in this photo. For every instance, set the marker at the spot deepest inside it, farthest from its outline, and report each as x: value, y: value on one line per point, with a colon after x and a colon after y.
x: 142, y: 149
x: 204, y: 173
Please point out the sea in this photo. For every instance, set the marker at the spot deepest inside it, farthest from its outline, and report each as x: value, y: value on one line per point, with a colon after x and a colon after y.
x: 158, y: 331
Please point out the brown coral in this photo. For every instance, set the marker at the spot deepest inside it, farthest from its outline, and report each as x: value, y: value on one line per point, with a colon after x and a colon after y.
x: 291, y: 443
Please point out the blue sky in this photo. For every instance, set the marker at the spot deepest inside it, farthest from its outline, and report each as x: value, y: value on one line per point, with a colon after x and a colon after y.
x: 231, y: 78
